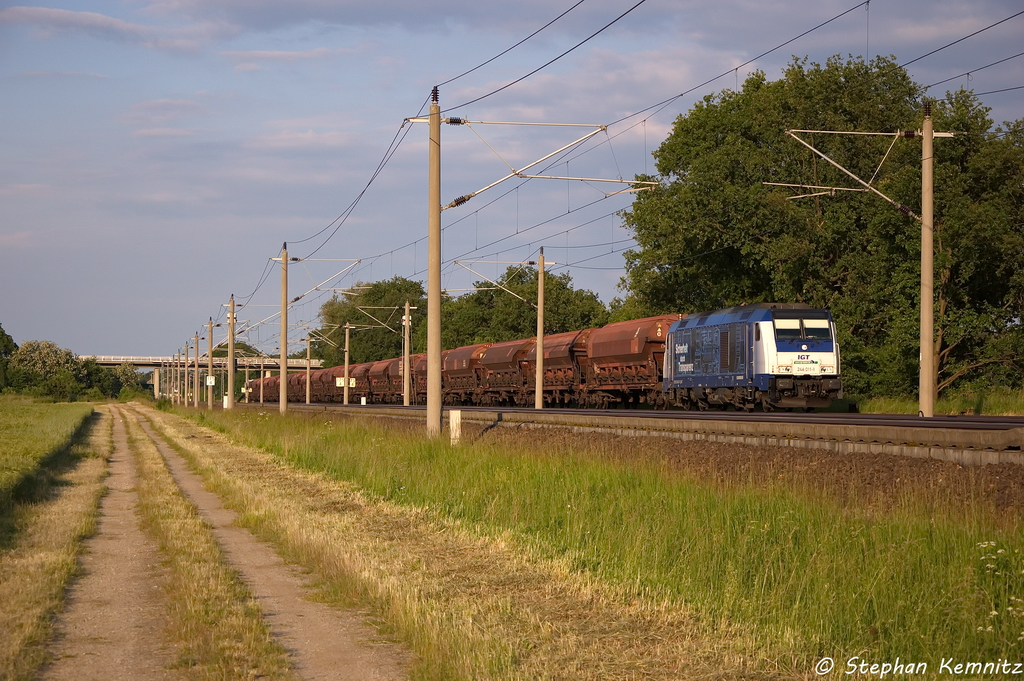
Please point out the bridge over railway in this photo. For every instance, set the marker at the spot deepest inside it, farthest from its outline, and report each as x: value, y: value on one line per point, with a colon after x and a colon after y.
x: 157, y: 362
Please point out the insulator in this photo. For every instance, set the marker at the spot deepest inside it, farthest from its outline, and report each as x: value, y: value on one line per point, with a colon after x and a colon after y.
x: 456, y: 121
x: 461, y: 200
x: 909, y: 134
x: 906, y: 211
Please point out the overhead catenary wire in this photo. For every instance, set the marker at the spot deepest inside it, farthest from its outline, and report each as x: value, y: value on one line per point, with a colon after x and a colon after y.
x: 663, y: 104
x: 980, y: 68
x: 550, y: 62
x: 660, y: 106
x: 504, y: 52
x: 960, y: 40
x: 1005, y: 89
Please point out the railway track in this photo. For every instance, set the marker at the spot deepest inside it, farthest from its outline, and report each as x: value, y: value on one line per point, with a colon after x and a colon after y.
x: 968, y: 440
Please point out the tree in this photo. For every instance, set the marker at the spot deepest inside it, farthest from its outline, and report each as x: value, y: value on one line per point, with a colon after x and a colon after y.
x: 383, y: 301
x: 36, y: 361
x: 101, y: 382
x: 712, y: 235
x: 7, y: 348
x: 128, y: 375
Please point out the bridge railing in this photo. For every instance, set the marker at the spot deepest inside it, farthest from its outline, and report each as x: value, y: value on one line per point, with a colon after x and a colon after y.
x: 153, y: 361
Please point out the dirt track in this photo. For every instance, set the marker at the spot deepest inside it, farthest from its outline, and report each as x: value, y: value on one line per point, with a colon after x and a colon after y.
x: 114, y: 624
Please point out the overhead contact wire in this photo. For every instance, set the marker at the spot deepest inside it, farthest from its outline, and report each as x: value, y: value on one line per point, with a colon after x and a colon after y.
x: 552, y: 61
x: 981, y: 30
x: 501, y: 54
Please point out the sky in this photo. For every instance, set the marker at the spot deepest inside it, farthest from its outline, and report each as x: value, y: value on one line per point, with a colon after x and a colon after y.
x: 156, y: 154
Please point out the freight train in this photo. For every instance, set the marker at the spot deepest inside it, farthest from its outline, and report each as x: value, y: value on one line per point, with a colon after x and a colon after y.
x: 768, y: 355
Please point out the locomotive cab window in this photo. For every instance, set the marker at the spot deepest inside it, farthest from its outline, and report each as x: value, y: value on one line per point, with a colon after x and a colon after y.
x: 802, y: 326
x: 787, y: 329
x: 817, y: 329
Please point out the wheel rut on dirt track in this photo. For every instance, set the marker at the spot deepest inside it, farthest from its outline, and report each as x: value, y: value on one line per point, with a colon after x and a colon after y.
x: 114, y: 625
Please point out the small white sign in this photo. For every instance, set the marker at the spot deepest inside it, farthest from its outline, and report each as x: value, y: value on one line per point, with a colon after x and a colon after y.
x: 211, y: 380
x: 339, y: 381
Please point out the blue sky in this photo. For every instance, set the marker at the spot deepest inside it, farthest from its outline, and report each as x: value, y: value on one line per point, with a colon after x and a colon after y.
x: 156, y: 153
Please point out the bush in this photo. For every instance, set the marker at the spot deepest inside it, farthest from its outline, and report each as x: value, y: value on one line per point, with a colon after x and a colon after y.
x: 130, y: 393
x: 94, y: 394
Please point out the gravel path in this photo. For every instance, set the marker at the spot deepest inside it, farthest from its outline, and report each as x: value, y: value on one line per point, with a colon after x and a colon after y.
x: 114, y: 622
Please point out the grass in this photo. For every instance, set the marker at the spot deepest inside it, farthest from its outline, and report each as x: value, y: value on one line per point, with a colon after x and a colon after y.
x: 217, y: 625
x: 470, y: 605
x: 810, y: 576
x: 994, y: 401
x: 29, y: 432
x: 53, y: 509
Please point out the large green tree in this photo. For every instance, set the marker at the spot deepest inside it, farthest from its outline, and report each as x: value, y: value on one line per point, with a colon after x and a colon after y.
x: 712, y: 234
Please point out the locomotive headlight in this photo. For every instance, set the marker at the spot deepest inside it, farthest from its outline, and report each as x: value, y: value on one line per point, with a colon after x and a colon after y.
x: 785, y: 368
x: 828, y: 370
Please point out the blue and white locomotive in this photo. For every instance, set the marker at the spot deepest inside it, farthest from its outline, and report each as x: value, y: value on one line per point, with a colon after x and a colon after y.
x: 776, y: 355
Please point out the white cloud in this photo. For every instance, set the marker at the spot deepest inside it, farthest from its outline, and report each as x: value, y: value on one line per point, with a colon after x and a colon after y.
x: 62, y: 74
x: 23, y: 189
x: 67, y: 20
x: 160, y: 197
x: 281, y: 55
x: 51, y: 22
x: 15, y: 239
x: 163, y: 132
x: 310, y: 139
x: 272, y: 14
x: 154, y: 112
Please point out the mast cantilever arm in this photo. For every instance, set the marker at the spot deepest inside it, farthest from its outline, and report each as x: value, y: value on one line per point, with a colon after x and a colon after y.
x: 515, y: 173
x: 503, y: 288
x: 899, y: 206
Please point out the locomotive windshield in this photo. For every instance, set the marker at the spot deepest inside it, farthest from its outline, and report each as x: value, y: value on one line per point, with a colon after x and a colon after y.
x: 802, y: 325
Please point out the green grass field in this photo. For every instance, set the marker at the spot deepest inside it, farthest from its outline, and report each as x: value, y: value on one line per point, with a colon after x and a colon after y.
x: 29, y: 432
x: 807, y: 574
